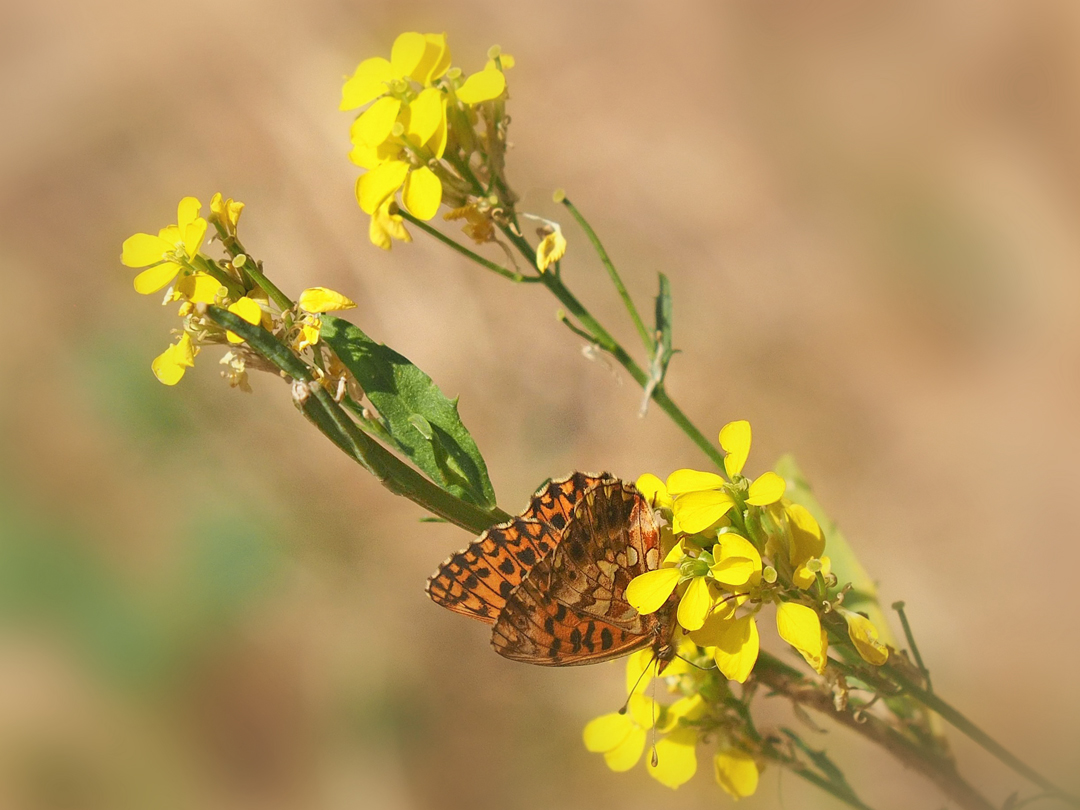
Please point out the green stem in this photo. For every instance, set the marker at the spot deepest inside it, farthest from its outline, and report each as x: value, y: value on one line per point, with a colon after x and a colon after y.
x: 790, y: 683
x: 646, y: 338
x: 828, y: 787
x: 899, y: 608
x: 464, y: 251
x: 234, y: 248
x: 961, y: 723
x: 333, y: 422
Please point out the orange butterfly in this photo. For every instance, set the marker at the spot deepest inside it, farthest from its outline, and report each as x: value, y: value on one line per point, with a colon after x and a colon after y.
x: 553, y: 580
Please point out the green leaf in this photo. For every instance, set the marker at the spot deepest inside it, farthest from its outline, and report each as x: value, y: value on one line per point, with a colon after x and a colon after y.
x: 422, y: 421
x: 863, y: 596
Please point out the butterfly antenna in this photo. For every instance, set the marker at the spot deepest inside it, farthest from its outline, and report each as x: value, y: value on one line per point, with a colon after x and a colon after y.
x: 691, y: 663
x: 654, y: 757
x: 633, y: 689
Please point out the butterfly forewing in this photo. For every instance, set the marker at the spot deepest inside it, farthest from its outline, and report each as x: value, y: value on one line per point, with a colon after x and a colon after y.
x: 477, y: 581
x: 553, y: 581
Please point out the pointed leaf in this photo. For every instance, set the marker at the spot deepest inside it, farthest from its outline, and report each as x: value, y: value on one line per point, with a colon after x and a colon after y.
x: 410, y: 404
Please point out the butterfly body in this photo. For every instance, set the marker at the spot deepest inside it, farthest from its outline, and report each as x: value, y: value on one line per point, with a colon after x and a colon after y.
x: 552, y: 581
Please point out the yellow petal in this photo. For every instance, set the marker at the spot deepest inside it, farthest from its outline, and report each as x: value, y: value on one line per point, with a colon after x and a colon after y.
x: 423, y: 193
x: 639, y: 671
x: 864, y: 636
x: 626, y: 754
x: 366, y: 84
x: 736, y: 773
x: 482, y: 86
x: 737, y: 561
x: 654, y: 491
x: 710, y: 632
x: 683, y: 481
x: 198, y: 288
x: 309, y: 335
x: 676, y: 758
x: 321, y: 299
x: 803, y: 577
x: 154, y: 278
x: 406, y: 54
x: 170, y: 365
x: 737, y: 648
x: 648, y: 591
x: 373, y: 127
x: 143, y: 249
x: 695, y: 603
x: 735, y: 439
x: 436, y: 59
x: 187, y: 212
x: 425, y: 113
x: 227, y: 211
x: 691, y: 707
x: 697, y: 511
x: 247, y: 310
x: 643, y: 710
x: 550, y: 250
x: 767, y: 488
x: 386, y: 226
x: 379, y: 184
x: 607, y: 732
x: 800, y: 627
x: 437, y: 142
x: 806, y: 536
x: 676, y: 555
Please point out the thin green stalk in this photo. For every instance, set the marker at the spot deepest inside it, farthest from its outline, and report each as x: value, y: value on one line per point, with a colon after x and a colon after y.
x: 646, y: 337
x: 899, y: 608
x: 234, y: 248
x: 961, y: 723
x: 332, y: 421
x: 828, y: 787
x: 464, y: 251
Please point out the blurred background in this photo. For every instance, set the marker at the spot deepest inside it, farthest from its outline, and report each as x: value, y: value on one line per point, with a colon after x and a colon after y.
x: 868, y: 213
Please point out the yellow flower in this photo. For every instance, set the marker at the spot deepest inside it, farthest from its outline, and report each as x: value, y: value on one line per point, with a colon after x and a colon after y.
x: 621, y: 737
x: 168, y: 253
x: 322, y: 299
x: 864, y: 636
x: 703, y: 498
x: 649, y: 591
x: 170, y: 365
x: 226, y: 212
x: 800, y: 627
x: 736, y: 773
x: 423, y: 58
x: 385, y: 227
x: 551, y: 248
x: 734, y: 644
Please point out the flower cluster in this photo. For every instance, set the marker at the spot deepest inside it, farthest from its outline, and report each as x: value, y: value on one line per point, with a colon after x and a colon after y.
x: 174, y: 262
x: 741, y: 545
x: 429, y: 133
x: 676, y: 730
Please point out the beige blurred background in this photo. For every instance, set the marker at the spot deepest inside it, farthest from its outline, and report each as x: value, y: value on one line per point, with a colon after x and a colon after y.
x: 868, y: 213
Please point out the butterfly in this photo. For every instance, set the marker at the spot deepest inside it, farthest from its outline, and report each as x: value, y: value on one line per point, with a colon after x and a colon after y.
x: 552, y: 581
